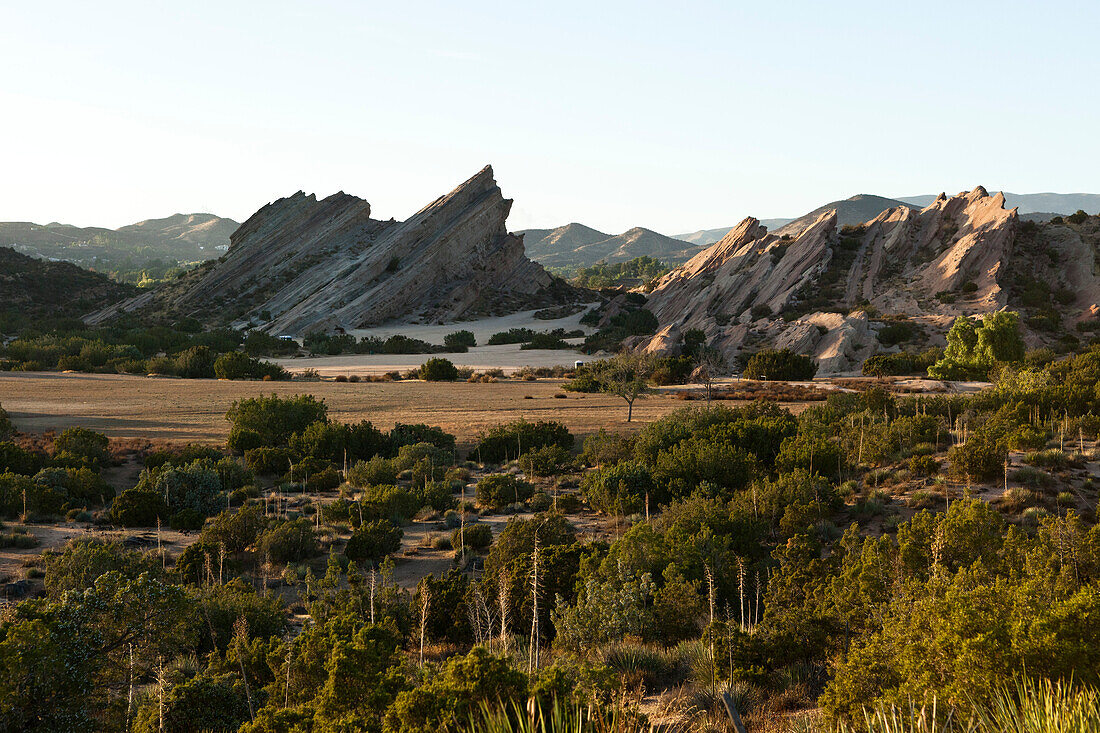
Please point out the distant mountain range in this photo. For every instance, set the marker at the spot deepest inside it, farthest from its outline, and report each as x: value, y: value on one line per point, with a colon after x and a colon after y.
x: 179, y: 238
x: 575, y: 245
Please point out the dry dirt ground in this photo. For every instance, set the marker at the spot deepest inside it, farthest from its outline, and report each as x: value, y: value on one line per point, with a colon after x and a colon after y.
x: 182, y: 410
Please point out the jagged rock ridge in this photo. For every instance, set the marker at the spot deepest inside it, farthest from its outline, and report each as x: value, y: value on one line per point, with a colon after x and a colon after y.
x: 958, y: 255
x: 300, y: 264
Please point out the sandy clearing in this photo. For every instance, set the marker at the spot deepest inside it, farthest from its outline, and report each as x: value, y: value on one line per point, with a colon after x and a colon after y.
x: 124, y: 406
x: 482, y: 328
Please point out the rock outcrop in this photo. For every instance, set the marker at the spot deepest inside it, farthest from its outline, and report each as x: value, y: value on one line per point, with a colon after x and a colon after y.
x: 301, y: 264
x: 810, y: 288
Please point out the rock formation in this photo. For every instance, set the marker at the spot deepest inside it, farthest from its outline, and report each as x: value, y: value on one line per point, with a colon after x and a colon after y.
x: 300, y: 264
x: 813, y: 288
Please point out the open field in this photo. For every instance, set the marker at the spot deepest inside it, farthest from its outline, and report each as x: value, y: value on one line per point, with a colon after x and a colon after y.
x: 124, y: 406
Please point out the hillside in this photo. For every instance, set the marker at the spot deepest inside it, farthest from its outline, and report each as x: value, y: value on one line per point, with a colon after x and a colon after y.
x: 810, y: 290
x: 32, y: 288
x: 575, y: 245
x: 301, y: 264
x: 179, y: 238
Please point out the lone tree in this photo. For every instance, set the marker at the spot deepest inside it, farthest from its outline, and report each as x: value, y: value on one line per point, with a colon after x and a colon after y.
x: 625, y: 375
x: 709, y: 365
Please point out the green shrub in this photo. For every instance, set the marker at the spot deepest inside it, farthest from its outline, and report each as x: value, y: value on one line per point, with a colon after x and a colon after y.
x: 196, y: 362
x: 549, y: 460
x: 138, y: 508
x: 478, y: 536
x: 459, y: 340
x: 438, y: 369
x: 376, y: 471
x: 980, y: 458
x: 290, y: 541
x: 621, y: 489
x: 782, y: 364
x: 501, y: 489
x: 77, y: 446
x: 372, y: 541
x: 19, y: 540
x: 511, y: 440
x: 406, y: 434
x: 273, y: 419
x: 268, y: 461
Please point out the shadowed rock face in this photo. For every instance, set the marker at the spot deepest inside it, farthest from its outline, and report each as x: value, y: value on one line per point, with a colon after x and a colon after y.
x: 315, y: 265
x: 898, y: 262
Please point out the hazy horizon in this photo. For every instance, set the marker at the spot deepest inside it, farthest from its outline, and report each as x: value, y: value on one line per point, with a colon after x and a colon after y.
x: 616, y: 116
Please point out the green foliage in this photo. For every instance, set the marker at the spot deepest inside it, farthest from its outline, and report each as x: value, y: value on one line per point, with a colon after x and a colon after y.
x: 405, y: 434
x: 376, y: 471
x: 374, y: 540
x: 438, y: 369
x: 289, y: 541
x: 453, y: 694
x: 459, y: 340
x: 512, y: 440
x: 139, y: 508
x: 623, y: 488
x: 604, y: 275
x: 628, y: 322
x: 272, y: 420
x: 338, y: 441
x: 549, y: 460
x: 606, y: 612
x: 478, y: 536
x: 972, y: 351
x: 980, y: 458
x: 238, y: 365
x: 80, y: 446
x: 202, y: 702
x: 781, y: 364
x: 497, y: 490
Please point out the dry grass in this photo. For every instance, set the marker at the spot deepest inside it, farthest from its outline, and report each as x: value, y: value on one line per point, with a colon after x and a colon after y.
x: 183, y: 410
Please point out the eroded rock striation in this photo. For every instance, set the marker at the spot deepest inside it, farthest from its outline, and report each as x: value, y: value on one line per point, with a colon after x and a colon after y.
x: 814, y: 288
x: 300, y: 264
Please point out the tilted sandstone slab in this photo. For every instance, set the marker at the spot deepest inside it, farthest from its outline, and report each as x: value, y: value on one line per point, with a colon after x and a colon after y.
x: 299, y: 265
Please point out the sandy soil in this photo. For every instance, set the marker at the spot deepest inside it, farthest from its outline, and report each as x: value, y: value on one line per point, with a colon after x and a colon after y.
x: 509, y: 358
x: 123, y: 406
x: 482, y: 328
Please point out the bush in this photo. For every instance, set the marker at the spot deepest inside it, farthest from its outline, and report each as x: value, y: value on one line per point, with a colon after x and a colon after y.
x: 197, y: 487
x: 196, y: 362
x: 81, y: 446
x: 406, y: 434
x: 478, y: 536
x: 290, y: 541
x: 980, y: 458
x: 138, y: 508
x: 374, y: 472
x: 620, y: 489
x: 549, y: 460
x: 783, y: 364
x: 268, y: 461
x: 20, y: 540
x: 459, y: 340
x: 501, y: 489
x: 438, y: 369
x: 373, y: 541
x: 513, y: 439
x: 272, y: 420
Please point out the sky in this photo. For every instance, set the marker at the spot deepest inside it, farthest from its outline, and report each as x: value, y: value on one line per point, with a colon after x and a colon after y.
x: 673, y: 116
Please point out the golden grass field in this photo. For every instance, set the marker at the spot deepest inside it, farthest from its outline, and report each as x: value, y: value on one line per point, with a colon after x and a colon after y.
x: 181, y: 410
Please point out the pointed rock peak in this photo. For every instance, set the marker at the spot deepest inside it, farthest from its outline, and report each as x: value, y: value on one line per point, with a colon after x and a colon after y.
x: 942, y: 197
x: 999, y: 199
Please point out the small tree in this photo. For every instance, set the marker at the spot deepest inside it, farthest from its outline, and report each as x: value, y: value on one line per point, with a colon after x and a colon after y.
x: 782, y: 364
x: 625, y: 375
x: 710, y: 364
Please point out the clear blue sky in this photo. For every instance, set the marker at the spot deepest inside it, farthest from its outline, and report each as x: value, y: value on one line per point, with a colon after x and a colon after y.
x: 675, y: 116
